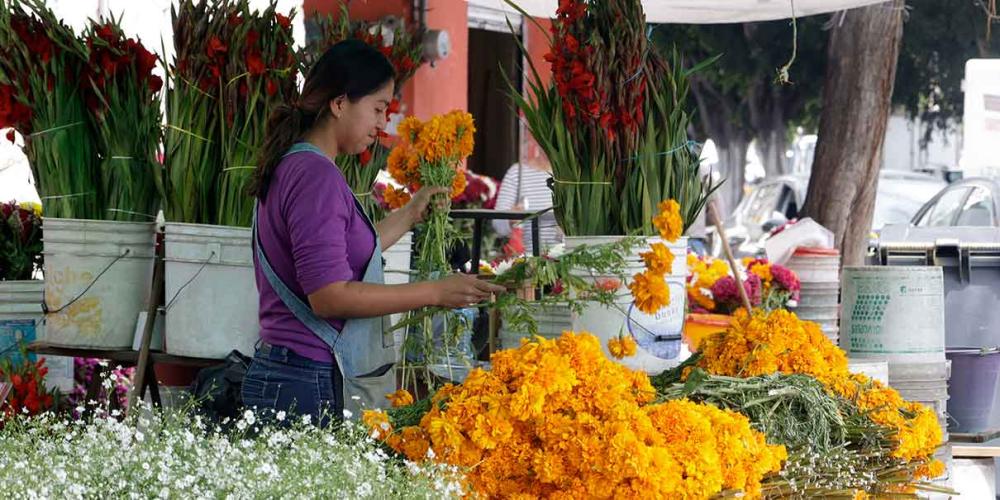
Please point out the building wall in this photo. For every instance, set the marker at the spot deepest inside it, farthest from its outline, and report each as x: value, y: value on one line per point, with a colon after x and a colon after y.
x: 434, y: 89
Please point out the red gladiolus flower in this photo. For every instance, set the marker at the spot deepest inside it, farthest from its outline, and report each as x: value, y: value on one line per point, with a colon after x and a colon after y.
x: 255, y: 65
x: 365, y: 157
x: 215, y: 48
x: 283, y: 21
x: 272, y: 88
x: 252, y: 38
x: 155, y: 83
x: 10, y: 136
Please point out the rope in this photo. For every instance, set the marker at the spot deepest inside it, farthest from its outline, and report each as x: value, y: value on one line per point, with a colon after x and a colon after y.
x: 129, y: 212
x: 782, y: 77
x: 689, y: 144
x: 54, y: 129
x: 181, y: 289
x: 74, y: 195
x: 192, y: 134
x: 45, y: 302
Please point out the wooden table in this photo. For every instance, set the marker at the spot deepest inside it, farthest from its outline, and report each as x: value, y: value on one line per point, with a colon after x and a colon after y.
x: 124, y: 357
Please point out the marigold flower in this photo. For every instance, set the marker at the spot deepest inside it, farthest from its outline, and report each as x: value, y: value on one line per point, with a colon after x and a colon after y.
x: 669, y: 221
x: 659, y: 259
x: 399, y: 398
x: 622, y: 346
x: 650, y: 292
x: 395, y: 198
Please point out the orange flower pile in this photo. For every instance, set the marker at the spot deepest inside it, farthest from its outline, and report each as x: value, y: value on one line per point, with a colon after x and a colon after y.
x: 555, y: 418
x: 779, y: 342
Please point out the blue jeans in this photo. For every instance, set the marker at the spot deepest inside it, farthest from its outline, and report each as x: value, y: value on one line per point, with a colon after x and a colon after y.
x: 281, y: 380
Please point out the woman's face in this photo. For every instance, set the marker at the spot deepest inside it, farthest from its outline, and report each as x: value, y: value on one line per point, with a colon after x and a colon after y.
x: 358, y: 123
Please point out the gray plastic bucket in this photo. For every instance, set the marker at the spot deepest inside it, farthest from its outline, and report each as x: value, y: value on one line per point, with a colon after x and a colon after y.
x: 974, y: 404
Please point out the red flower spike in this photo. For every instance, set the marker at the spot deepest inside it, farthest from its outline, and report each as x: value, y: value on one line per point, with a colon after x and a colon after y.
x: 283, y: 21
x: 365, y: 157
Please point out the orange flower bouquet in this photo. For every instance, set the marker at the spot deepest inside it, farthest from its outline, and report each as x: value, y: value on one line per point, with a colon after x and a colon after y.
x: 431, y: 153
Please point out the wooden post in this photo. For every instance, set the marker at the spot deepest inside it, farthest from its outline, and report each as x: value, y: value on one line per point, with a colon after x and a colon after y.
x: 714, y: 219
x: 144, y: 371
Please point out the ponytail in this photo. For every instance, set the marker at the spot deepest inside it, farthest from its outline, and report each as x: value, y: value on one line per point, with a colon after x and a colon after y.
x: 286, y: 126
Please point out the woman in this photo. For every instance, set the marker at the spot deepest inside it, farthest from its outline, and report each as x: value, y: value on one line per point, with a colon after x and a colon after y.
x: 319, y: 258
x: 525, y: 187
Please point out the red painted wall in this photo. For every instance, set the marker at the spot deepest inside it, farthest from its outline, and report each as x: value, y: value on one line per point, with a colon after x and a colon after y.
x: 433, y: 90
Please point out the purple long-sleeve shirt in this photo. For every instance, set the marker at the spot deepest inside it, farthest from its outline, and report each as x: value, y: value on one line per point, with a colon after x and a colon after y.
x: 313, y: 234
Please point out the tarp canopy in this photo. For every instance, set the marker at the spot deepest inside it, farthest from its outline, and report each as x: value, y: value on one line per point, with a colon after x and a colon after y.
x: 702, y: 11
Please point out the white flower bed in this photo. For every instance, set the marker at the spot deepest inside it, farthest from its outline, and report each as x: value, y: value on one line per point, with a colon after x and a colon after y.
x: 176, y: 456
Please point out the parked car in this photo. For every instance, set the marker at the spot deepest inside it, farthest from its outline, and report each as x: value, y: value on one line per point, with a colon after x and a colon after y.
x: 774, y: 202
x: 968, y: 211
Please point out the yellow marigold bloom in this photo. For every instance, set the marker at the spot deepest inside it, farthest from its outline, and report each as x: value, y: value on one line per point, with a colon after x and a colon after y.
x: 622, y: 346
x: 399, y: 398
x: 409, y: 129
x: 669, y: 221
x: 458, y: 184
x: 763, y: 271
x: 404, y: 165
x: 650, y: 292
x: 659, y: 259
x: 377, y: 423
x: 395, y: 198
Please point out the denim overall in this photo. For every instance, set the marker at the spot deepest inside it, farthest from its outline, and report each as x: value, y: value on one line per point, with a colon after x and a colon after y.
x: 363, y: 348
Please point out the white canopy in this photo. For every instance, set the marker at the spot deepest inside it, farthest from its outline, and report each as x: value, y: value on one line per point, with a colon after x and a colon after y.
x: 701, y: 11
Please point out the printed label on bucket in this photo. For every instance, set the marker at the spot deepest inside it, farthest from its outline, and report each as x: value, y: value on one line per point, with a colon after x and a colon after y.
x: 902, y: 316
x: 659, y: 334
x: 13, y: 334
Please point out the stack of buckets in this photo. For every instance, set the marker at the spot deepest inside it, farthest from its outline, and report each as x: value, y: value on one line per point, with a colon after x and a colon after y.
x: 896, y: 314
x: 818, y: 270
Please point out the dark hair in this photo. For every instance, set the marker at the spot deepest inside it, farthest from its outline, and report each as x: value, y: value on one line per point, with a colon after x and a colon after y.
x: 349, y: 68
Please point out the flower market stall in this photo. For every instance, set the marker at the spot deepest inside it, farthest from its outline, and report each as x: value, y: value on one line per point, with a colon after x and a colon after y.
x: 625, y: 366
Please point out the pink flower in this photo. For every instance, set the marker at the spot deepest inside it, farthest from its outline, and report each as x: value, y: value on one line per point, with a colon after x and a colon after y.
x: 787, y: 279
x: 724, y: 291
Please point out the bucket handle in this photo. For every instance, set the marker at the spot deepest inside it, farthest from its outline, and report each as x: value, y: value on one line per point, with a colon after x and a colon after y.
x: 45, y: 301
x: 181, y: 289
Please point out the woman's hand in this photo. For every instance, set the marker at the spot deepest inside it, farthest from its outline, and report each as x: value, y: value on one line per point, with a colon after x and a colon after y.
x: 417, y: 207
x: 461, y: 290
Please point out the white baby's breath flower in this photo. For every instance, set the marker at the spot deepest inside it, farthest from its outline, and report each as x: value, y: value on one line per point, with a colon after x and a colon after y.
x: 281, y: 416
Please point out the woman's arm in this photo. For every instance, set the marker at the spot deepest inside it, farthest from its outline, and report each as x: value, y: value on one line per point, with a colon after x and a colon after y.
x: 355, y: 299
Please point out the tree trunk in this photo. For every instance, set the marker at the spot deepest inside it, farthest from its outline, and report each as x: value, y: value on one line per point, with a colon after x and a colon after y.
x: 721, y: 123
x: 856, y: 103
x: 732, y: 169
x: 771, y: 146
x: 767, y: 117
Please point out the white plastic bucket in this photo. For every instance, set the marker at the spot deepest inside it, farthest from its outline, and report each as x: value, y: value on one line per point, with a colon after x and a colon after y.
x: 98, y: 275
x: 551, y: 321
x: 658, y: 351
x: 873, y: 369
x: 210, y: 292
x: 894, y: 313
x: 816, y: 265
x: 21, y: 322
x: 20, y: 314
